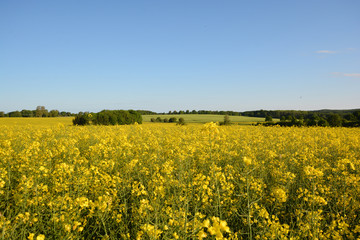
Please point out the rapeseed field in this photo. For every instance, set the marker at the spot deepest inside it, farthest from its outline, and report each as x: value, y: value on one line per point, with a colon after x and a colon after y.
x: 162, y: 181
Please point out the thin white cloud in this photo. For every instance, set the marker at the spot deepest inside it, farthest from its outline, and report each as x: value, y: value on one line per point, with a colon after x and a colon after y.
x: 340, y: 74
x: 336, y: 73
x: 357, y: 75
x: 347, y: 50
x: 326, y: 51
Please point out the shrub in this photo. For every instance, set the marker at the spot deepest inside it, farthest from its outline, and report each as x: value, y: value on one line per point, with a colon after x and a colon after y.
x: 268, y: 118
x: 181, y: 121
x: 226, y: 120
x: 114, y: 117
x: 173, y: 119
x: 82, y: 119
x: 15, y: 114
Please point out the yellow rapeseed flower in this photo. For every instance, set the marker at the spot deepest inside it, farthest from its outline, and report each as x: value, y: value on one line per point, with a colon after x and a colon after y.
x: 67, y: 227
x: 201, y: 235
x: 352, y: 166
x: 31, y: 236
x: 206, y: 223
x: 166, y: 180
x: 247, y: 161
x: 40, y: 237
x: 175, y: 235
x: 224, y: 227
x: 280, y: 195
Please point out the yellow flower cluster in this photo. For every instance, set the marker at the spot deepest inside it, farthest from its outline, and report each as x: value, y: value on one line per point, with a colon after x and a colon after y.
x: 160, y: 181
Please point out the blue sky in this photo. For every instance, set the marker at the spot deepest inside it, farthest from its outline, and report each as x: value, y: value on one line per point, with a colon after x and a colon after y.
x: 178, y: 55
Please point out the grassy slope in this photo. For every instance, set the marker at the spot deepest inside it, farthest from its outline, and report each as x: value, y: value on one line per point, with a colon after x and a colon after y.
x: 203, y: 118
x: 189, y: 118
x: 43, y: 122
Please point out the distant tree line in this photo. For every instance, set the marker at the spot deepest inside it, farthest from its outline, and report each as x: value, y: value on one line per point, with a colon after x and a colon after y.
x: 108, y: 117
x: 230, y: 113
x: 324, y: 120
x: 298, y: 114
x: 345, y: 118
x: 40, y: 111
x: 273, y: 113
x: 165, y: 120
x: 181, y: 120
x: 146, y: 112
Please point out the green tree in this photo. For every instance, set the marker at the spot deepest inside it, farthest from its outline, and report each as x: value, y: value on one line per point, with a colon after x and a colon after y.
x: 15, y: 114
x: 82, y: 119
x: 114, y: 117
x: 268, y: 118
x: 2, y: 114
x: 65, y: 114
x: 334, y: 120
x: 181, y: 121
x: 41, y: 111
x: 54, y: 113
x: 226, y: 120
x: 350, y: 117
x: 357, y: 115
x: 101, y: 118
x: 172, y: 119
x: 322, y: 122
x: 27, y: 113
x: 313, y: 120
